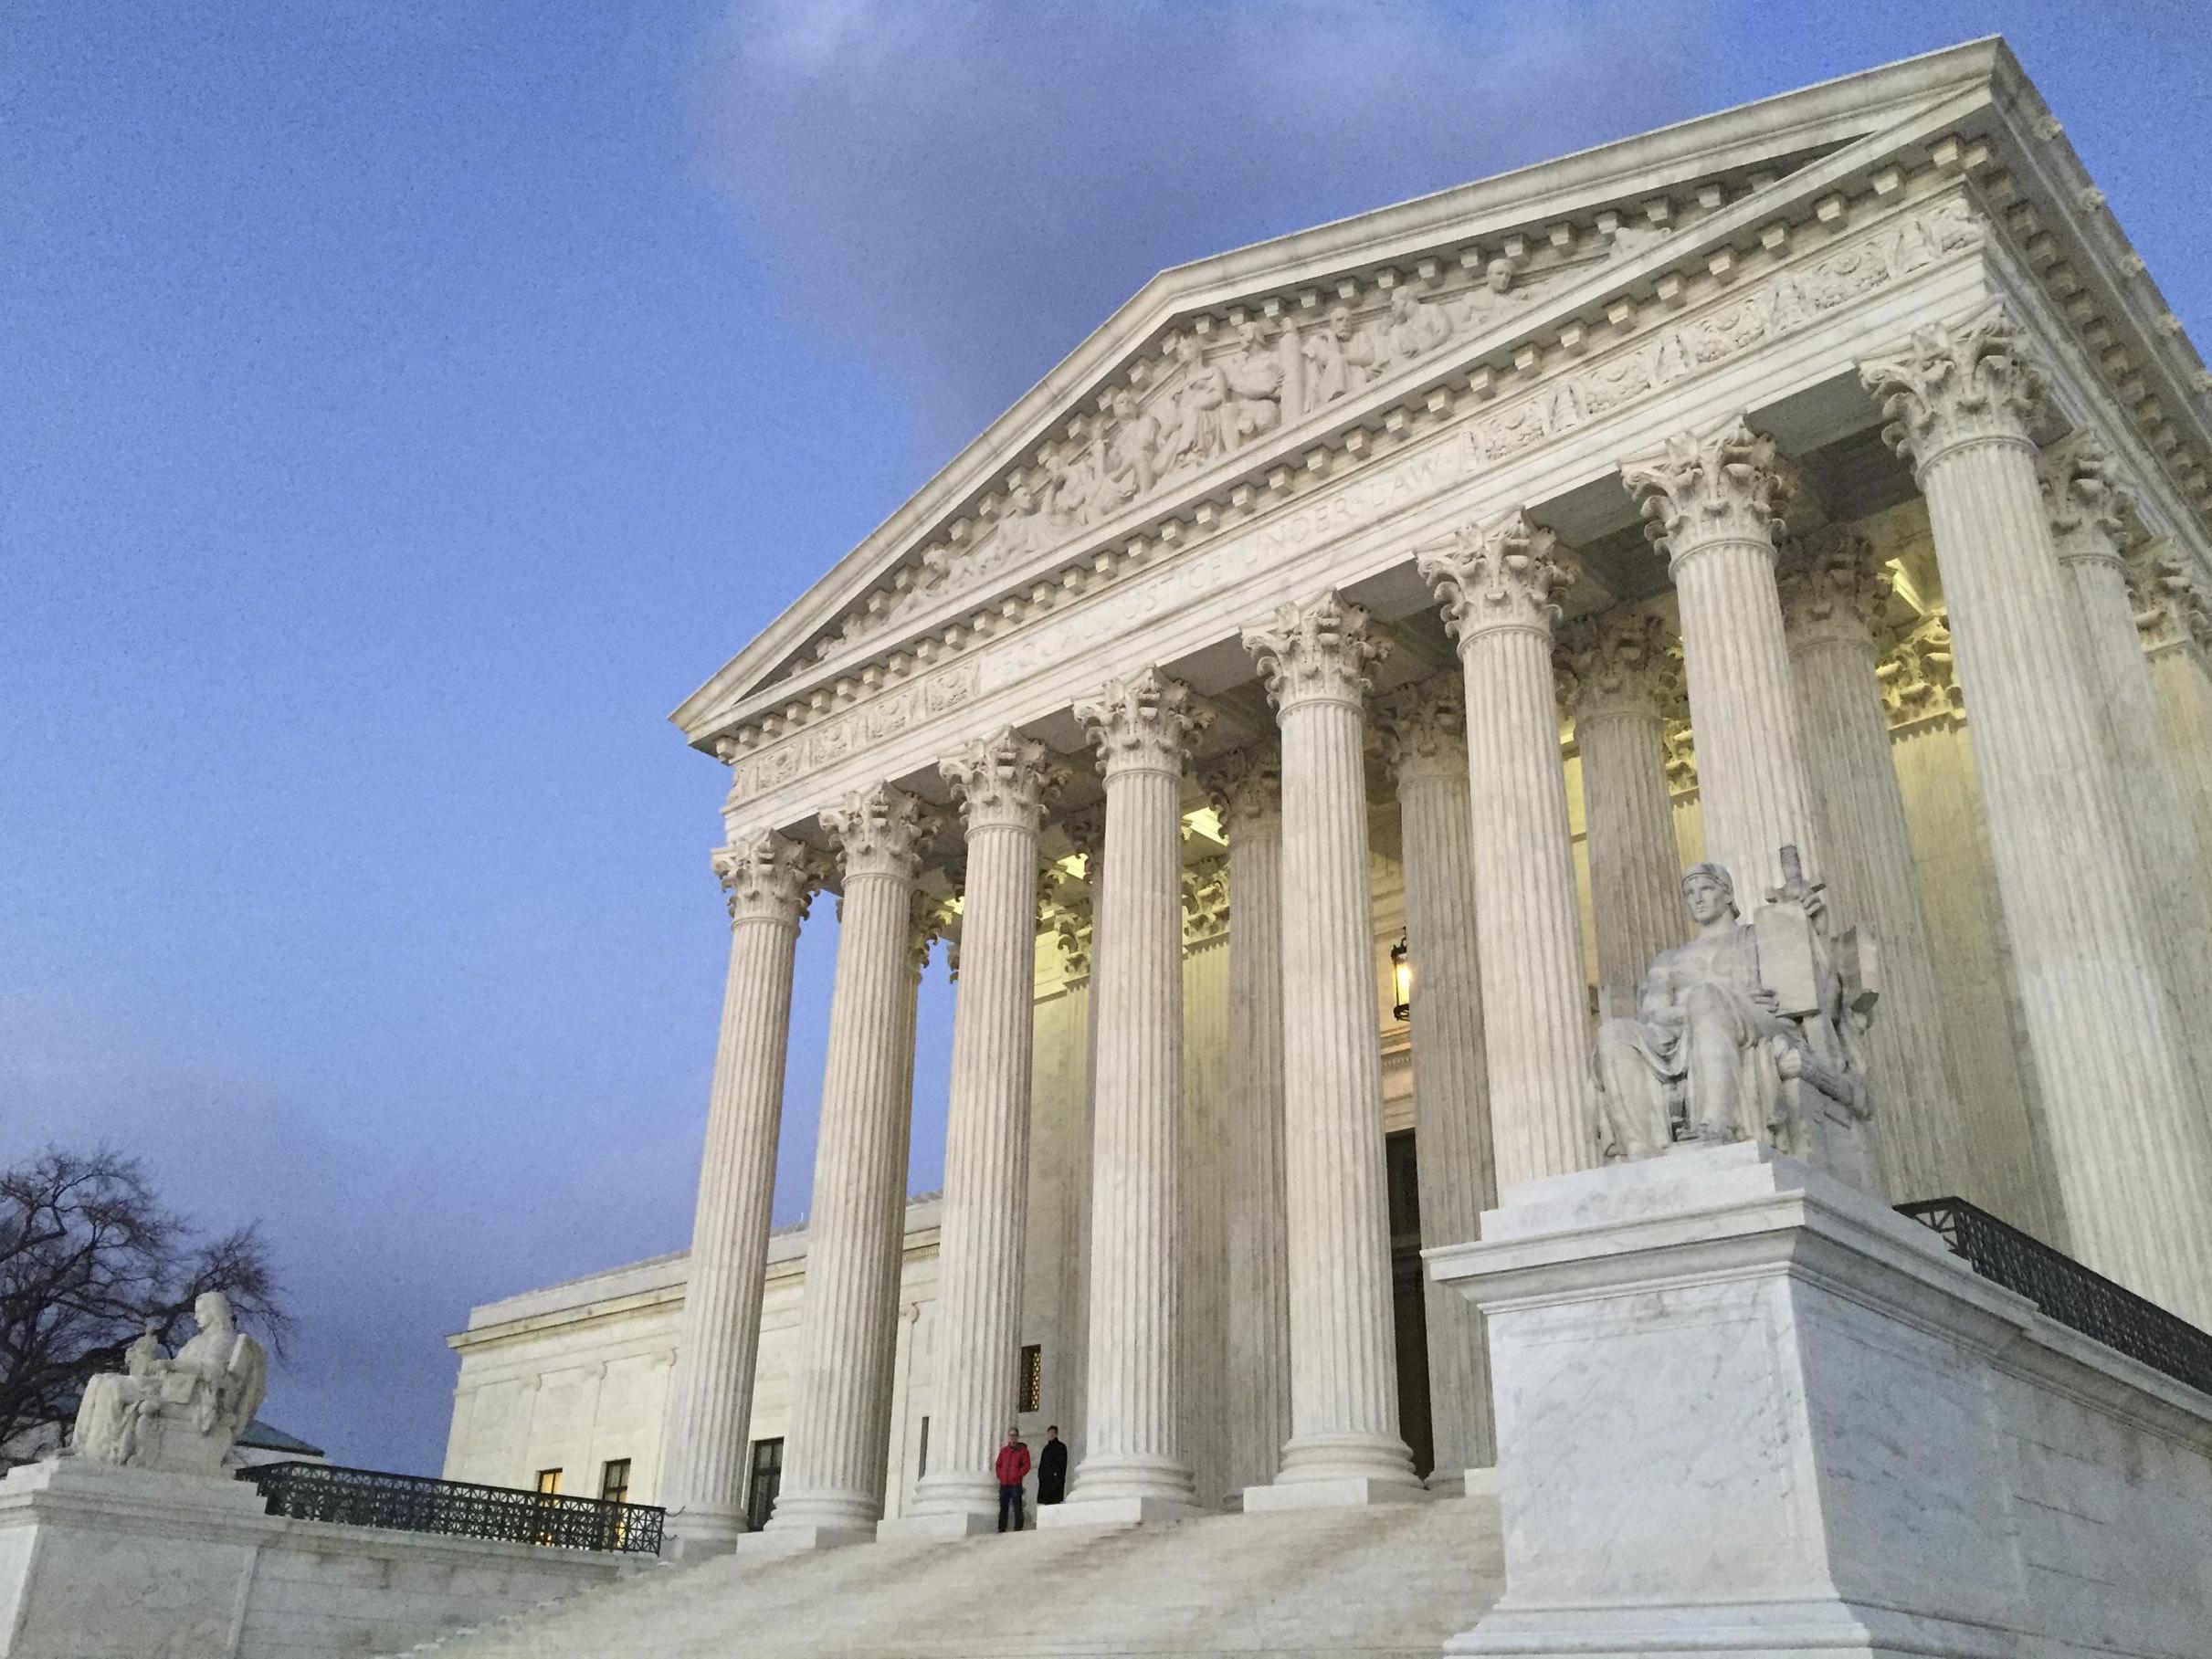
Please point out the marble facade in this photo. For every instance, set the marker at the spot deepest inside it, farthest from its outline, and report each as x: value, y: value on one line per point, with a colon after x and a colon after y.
x: 1791, y: 479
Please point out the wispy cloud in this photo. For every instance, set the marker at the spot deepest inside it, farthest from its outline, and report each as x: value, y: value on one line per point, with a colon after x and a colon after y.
x: 960, y: 190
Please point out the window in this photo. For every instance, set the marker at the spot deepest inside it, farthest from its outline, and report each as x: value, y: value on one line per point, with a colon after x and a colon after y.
x: 767, y: 1480
x: 1031, y: 1390
x: 549, y: 1481
x: 615, y: 1481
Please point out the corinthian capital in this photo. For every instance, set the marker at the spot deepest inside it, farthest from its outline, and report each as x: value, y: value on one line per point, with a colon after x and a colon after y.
x: 1144, y: 723
x: 1004, y: 782
x: 767, y: 877
x: 1499, y: 577
x: 1730, y: 486
x: 1422, y: 731
x: 1917, y: 678
x: 2173, y: 603
x: 1834, y: 589
x: 1247, y: 788
x: 1622, y: 663
x: 2084, y: 502
x: 1956, y: 383
x: 1317, y: 652
x: 879, y: 831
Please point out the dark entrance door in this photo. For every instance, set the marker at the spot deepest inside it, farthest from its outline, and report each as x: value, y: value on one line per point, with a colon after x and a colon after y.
x: 1409, y: 1314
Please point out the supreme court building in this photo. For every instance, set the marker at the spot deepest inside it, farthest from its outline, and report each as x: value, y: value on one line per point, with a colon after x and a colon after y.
x: 1295, y: 714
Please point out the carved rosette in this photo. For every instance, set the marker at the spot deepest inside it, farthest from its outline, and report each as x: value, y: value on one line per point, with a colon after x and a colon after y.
x: 1916, y: 676
x: 1422, y: 732
x: 1956, y: 383
x: 1004, y: 782
x: 1319, y: 652
x: 879, y: 831
x: 1729, y: 486
x: 2172, y: 606
x: 1144, y: 723
x: 2086, y: 504
x: 1503, y: 577
x: 768, y: 877
x: 1245, y: 788
x: 1624, y: 663
x: 1834, y: 589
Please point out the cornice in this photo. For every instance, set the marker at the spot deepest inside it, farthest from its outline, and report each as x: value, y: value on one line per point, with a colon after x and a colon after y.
x: 1533, y: 205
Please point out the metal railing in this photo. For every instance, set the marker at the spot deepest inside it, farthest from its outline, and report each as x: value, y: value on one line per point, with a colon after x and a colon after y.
x: 2069, y: 1293
x: 455, y: 1508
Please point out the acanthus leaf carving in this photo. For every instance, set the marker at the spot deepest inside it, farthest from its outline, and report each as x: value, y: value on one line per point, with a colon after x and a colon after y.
x: 1623, y: 662
x: 1317, y: 652
x: 2172, y: 603
x: 1246, y: 787
x: 1726, y: 486
x: 1501, y: 576
x: 1918, y: 676
x: 1146, y: 722
x: 1833, y: 587
x: 879, y: 831
x: 1003, y: 780
x: 2086, y: 505
x: 767, y: 876
x: 1421, y: 729
x: 1953, y: 383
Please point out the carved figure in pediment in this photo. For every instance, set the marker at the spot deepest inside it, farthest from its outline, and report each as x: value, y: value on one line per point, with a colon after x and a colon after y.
x: 1030, y: 521
x: 1491, y: 299
x: 1259, y: 381
x: 1751, y: 1031
x: 1123, y: 450
x: 1413, y: 328
x: 1341, y: 357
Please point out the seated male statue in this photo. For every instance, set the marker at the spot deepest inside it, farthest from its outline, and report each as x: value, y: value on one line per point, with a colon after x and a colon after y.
x: 183, y: 1413
x: 1748, y: 1032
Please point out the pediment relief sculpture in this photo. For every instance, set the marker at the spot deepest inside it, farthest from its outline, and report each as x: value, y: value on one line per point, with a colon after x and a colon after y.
x: 1752, y: 1030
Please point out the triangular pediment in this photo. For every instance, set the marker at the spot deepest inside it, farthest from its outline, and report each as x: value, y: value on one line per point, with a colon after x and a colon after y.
x: 1219, y: 367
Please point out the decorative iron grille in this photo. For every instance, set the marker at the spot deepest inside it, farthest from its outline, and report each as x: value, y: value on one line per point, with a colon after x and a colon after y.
x: 2069, y: 1292
x: 457, y: 1509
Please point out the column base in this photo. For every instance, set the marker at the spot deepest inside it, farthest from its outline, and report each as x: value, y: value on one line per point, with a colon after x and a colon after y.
x: 1446, y: 1483
x: 945, y: 1524
x: 701, y: 1534
x: 799, y: 1540
x: 1812, y: 1628
x: 1349, y: 1491
x: 1116, y: 1512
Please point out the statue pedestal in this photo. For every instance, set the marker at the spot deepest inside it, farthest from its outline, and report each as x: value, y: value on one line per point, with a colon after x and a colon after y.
x: 1743, y: 1408
x: 98, y: 1560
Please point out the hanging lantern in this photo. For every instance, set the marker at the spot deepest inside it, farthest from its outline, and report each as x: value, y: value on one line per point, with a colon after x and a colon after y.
x: 1401, y: 978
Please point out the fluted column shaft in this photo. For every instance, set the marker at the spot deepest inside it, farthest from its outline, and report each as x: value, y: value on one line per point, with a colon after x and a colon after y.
x: 1712, y: 504
x: 1345, y: 1439
x: 1427, y: 740
x: 1132, y: 1467
x: 834, y: 1451
x: 2132, y: 1150
x: 1002, y: 783
x: 1248, y: 796
x: 2085, y: 509
x: 769, y: 880
x: 1624, y: 675
x: 1832, y: 601
x: 1496, y: 588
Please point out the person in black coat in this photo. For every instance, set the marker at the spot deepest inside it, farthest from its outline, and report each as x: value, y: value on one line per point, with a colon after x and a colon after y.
x: 1052, y: 1467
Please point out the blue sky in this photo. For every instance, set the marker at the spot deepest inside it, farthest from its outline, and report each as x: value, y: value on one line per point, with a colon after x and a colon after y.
x: 403, y: 405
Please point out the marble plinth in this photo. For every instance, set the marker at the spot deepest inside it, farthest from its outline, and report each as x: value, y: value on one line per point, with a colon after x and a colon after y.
x: 1120, y: 1512
x: 800, y: 1539
x: 1332, y: 1490
x: 1743, y: 1408
x: 943, y: 1524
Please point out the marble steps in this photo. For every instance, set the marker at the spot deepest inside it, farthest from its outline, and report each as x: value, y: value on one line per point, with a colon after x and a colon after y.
x: 1378, y: 1583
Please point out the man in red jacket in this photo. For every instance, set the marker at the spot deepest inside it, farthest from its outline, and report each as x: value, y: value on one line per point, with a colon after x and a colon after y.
x: 1013, y: 1469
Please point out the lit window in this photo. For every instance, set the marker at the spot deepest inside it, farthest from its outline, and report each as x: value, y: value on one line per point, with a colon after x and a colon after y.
x: 549, y: 1481
x: 1032, y: 1389
x: 615, y: 1481
x: 766, y: 1482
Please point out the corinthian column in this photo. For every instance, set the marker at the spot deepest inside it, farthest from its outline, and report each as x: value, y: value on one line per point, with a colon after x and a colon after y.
x: 1425, y: 740
x: 840, y: 1419
x: 1495, y: 586
x: 1626, y: 675
x: 1247, y: 794
x: 1002, y: 783
x: 1834, y: 593
x: 1714, y: 506
x: 2173, y: 614
x: 769, y: 880
x: 1344, y: 1445
x: 2133, y: 1151
x: 1132, y: 1469
x: 2086, y: 508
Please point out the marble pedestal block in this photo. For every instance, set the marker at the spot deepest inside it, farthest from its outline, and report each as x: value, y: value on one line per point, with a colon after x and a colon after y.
x: 1745, y: 1409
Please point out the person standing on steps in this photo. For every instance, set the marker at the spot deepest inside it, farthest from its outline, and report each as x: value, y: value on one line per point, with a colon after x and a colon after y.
x: 1051, y: 1467
x: 1013, y: 1468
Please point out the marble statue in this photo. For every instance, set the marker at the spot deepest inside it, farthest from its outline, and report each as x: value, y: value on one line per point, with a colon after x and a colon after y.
x: 1749, y: 1032
x: 182, y: 1414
